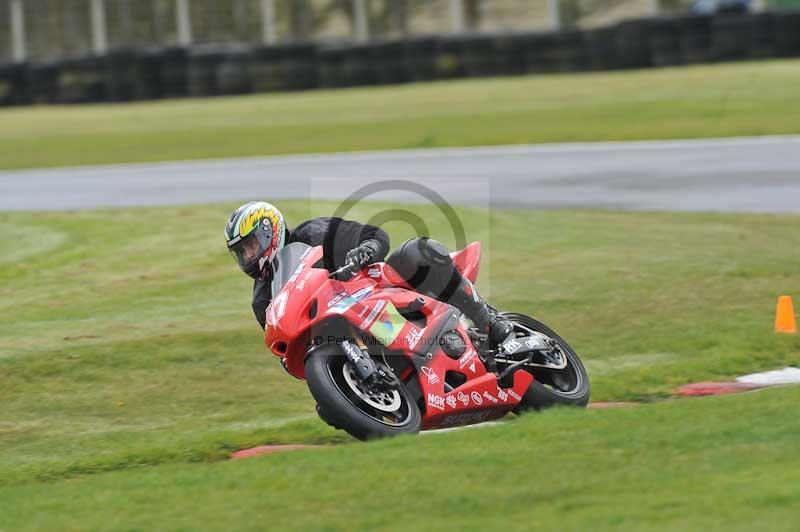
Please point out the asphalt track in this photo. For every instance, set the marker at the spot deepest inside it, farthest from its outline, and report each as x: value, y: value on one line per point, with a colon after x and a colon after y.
x: 758, y: 174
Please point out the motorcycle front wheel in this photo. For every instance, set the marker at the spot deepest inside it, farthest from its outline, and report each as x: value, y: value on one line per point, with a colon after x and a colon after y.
x: 568, y: 386
x: 347, y: 403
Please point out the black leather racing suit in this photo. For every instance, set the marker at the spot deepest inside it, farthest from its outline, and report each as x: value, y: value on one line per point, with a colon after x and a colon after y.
x: 337, y: 237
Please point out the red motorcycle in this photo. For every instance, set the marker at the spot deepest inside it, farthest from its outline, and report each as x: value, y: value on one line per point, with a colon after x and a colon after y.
x: 381, y: 359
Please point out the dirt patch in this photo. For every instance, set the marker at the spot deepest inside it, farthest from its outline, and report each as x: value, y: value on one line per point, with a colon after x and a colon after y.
x: 716, y: 388
x: 271, y: 449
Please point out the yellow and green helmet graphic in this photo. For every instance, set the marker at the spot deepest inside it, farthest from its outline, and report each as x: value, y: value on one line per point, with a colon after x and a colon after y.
x: 247, y: 217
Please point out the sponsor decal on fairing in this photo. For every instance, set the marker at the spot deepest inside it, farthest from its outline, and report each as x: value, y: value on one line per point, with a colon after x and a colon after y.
x: 361, y: 293
x: 436, y: 401
x: 302, y: 283
x: 370, y: 319
x: 336, y: 298
x: 476, y: 398
x: 490, y: 397
x: 413, y: 337
x: 387, y: 327
x: 451, y: 401
x: 464, y: 398
x: 464, y: 360
x: 277, y: 308
x: 514, y: 394
x: 433, y: 378
x: 343, y: 304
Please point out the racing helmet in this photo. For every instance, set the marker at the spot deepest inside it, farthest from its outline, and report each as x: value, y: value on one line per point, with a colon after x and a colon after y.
x: 255, y: 232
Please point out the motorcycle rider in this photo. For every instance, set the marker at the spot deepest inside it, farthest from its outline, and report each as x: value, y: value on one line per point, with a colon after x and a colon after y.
x: 256, y: 231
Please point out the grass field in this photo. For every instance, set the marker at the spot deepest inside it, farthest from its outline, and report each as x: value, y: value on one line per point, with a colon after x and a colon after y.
x: 722, y: 464
x: 127, y: 341
x: 699, y: 101
x: 131, y: 365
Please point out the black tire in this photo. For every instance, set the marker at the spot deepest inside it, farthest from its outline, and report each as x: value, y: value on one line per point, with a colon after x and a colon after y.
x: 543, y: 391
x: 341, y: 407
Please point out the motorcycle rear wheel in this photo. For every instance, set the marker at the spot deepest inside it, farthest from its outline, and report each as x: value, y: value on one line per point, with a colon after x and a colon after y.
x: 345, y: 403
x: 569, y: 386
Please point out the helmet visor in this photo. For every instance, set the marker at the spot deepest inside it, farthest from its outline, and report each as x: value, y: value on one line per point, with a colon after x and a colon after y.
x: 249, y: 250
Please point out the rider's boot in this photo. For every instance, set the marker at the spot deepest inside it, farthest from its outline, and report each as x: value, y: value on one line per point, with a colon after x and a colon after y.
x: 467, y: 299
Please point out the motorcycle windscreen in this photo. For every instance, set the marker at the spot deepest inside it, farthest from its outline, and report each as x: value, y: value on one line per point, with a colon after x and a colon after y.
x: 285, y: 264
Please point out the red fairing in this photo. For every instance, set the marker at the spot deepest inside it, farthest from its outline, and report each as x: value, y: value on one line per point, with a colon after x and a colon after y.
x: 369, y: 302
x: 468, y: 260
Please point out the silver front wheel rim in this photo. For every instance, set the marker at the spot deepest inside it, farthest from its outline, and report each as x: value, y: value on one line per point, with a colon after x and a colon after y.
x: 385, y: 401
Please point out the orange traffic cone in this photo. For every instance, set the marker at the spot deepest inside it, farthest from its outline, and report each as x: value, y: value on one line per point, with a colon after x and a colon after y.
x: 784, y: 316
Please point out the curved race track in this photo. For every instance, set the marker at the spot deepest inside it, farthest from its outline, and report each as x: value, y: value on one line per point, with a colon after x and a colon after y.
x: 760, y: 174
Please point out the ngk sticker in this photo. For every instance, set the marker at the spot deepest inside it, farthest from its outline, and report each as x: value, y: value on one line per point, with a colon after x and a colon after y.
x: 451, y: 401
x: 464, y: 398
x: 476, y: 398
x: 436, y: 401
x: 490, y: 397
x: 433, y: 378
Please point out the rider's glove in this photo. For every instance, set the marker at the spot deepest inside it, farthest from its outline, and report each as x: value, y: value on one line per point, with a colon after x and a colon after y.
x: 363, y: 254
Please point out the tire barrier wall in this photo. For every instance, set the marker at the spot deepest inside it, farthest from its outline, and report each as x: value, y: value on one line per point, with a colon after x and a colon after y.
x: 141, y: 73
